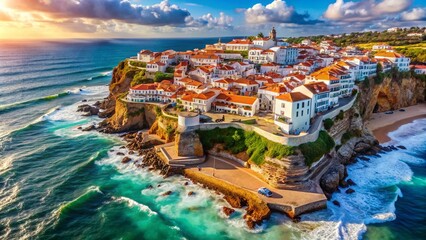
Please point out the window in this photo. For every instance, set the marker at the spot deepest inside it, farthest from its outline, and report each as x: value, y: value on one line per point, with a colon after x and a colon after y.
x: 302, y: 113
x: 308, y: 103
x: 303, y: 104
x: 298, y: 106
x: 297, y: 113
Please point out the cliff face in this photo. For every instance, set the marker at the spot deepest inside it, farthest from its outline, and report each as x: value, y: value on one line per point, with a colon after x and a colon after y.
x: 391, y: 94
x: 121, y: 115
x: 129, y: 117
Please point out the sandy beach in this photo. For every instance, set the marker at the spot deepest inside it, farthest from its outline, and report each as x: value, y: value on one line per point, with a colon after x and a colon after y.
x: 381, y: 124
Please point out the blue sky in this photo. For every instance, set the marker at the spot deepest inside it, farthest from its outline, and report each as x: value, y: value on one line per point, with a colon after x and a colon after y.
x: 180, y: 18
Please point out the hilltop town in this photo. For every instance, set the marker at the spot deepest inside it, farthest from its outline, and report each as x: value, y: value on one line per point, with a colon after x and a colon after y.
x: 248, y: 77
x: 259, y: 112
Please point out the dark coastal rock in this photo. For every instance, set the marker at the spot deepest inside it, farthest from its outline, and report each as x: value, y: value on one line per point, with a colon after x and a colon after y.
x: 126, y: 160
x: 88, y: 110
x: 228, y: 211
x: 350, y: 182
x: 343, y: 184
x: 234, y: 201
x: 111, y: 150
x: 191, y: 193
x: 97, y: 104
x: 168, y: 193
x: 296, y: 219
x: 186, y: 183
x: 361, y: 147
x: 122, y: 147
x: 131, y: 152
x: 401, y: 147
x: 120, y: 154
x: 337, y: 203
x: 364, y: 158
x: 393, y: 147
x: 159, y: 185
x: 149, y: 187
x: 330, y: 180
x: 349, y: 191
x: 84, y: 100
x: 89, y: 128
x: 250, y: 224
x: 80, y: 128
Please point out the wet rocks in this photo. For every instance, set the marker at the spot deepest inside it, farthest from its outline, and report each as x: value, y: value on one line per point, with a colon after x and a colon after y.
x: 337, y: 203
x: 149, y: 187
x: 227, y: 211
x: 330, y: 180
x: 401, y: 147
x: 120, y: 154
x: 363, y: 158
x: 168, y: 193
x: 88, y: 110
x: 349, y: 191
x: 350, y: 182
x: 89, y: 128
x: 126, y: 160
x: 191, y: 193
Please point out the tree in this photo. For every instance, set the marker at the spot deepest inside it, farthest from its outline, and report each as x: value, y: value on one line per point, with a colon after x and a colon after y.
x: 160, y: 76
x: 260, y: 35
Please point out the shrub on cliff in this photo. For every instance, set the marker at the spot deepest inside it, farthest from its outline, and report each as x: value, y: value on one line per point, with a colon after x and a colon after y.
x: 313, y: 151
x: 237, y: 140
x: 328, y: 123
x: 160, y: 76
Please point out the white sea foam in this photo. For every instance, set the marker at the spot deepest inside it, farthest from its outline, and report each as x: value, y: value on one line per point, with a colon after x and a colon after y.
x: 375, y: 193
x: 140, y: 206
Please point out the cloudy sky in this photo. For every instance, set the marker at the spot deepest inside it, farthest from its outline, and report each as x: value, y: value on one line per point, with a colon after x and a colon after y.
x: 25, y: 19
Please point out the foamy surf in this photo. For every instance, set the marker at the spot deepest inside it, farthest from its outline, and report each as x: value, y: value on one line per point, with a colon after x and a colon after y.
x: 132, y: 203
x: 376, y: 191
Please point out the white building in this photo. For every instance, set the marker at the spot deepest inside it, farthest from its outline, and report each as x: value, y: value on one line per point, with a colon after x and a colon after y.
x: 236, y: 104
x: 381, y: 47
x: 205, y: 59
x: 399, y: 60
x: 419, y: 69
x: 320, y: 95
x: 156, y: 67
x: 285, y: 55
x: 239, y: 45
x: 260, y: 56
x: 267, y: 95
x: 293, y: 112
x: 264, y: 43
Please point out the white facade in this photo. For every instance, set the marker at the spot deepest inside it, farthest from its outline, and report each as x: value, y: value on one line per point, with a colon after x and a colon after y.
x: 285, y: 55
x: 264, y: 43
x: 293, y: 117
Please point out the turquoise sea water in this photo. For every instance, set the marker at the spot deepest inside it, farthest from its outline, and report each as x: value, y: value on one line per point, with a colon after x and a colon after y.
x: 58, y: 182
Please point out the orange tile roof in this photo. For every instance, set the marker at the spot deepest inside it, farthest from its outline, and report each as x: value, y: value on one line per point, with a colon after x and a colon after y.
x: 388, y: 54
x: 317, y: 87
x: 240, y: 41
x: 277, y: 88
x: 205, y: 95
x: 205, y: 56
x: 225, y: 80
x: 149, y: 86
x: 246, y: 81
x: 293, y: 97
x: 232, y: 98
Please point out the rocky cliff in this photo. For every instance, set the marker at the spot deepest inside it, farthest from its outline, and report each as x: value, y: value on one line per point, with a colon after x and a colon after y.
x: 121, y: 115
x: 391, y: 94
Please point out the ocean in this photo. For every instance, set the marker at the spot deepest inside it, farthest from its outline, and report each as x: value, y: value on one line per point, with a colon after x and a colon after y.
x: 57, y: 182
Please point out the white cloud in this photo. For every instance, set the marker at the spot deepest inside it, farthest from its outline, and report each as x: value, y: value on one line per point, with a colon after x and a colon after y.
x: 415, y: 14
x: 364, y: 10
x: 209, y: 21
x: 276, y: 12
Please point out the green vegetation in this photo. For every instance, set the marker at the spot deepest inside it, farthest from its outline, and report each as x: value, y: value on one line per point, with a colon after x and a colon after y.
x: 140, y: 78
x: 340, y: 116
x: 313, y: 151
x: 237, y: 140
x: 170, y: 70
x: 158, y: 111
x: 160, y: 76
x: 138, y: 64
x: 350, y: 134
x: 328, y: 123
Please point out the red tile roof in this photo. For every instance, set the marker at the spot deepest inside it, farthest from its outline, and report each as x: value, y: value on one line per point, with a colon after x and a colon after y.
x: 293, y: 97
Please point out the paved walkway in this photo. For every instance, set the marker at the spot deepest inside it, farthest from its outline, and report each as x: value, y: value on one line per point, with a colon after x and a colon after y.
x: 245, y: 178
